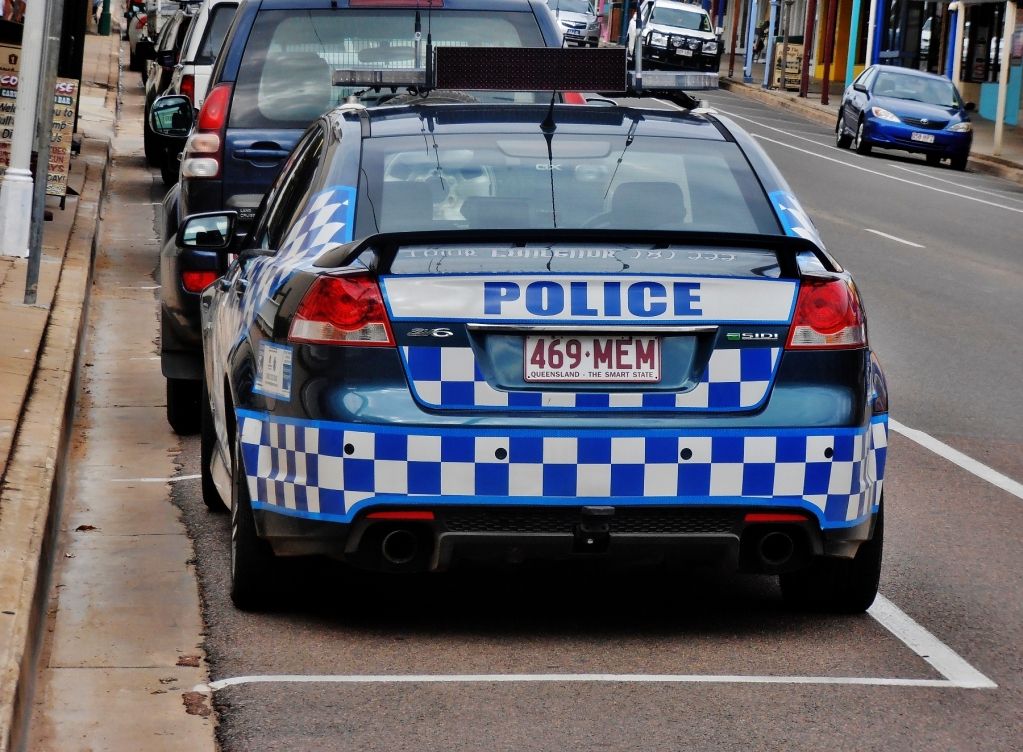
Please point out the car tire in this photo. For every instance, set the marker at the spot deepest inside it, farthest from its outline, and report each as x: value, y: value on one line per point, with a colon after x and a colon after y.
x: 252, y: 559
x: 151, y: 144
x: 934, y: 160
x: 842, y: 139
x: 860, y: 142
x: 959, y: 162
x: 133, y: 62
x: 845, y: 586
x: 207, y: 445
x: 183, y: 410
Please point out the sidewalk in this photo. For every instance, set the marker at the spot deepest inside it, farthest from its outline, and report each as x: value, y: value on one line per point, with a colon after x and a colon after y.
x: 1008, y: 165
x: 39, y: 346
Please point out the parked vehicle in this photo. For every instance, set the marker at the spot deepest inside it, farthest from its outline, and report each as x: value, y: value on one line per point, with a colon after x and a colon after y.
x: 160, y: 69
x: 902, y: 108
x: 676, y: 35
x: 578, y: 19
x: 140, y: 44
x: 273, y: 77
x: 427, y: 357
x: 191, y: 77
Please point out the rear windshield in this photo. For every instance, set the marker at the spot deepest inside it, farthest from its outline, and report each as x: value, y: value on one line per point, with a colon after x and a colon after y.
x: 285, y: 77
x: 216, y: 30
x: 618, y: 181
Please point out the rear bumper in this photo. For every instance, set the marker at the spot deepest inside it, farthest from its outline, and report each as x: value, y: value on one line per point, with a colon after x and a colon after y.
x: 313, y: 481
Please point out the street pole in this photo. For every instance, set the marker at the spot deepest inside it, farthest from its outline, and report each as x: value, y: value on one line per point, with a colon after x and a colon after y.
x: 103, y: 27
x: 44, y: 132
x: 751, y: 30
x: 772, y: 20
x: 16, y: 187
x: 854, y: 32
x: 808, y: 35
x: 953, y: 41
x: 1004, y: 55
x: 829, y: 49
x: 735, y: 37
x: 957, y: 54
x: 871, y: 29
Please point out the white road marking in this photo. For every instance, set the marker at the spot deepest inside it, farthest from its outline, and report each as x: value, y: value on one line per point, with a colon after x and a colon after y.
x: 929, y: 176
x: 156, y: 480
x: 962, y: 196
x: 956, y: 457
x: 892, y: 237
x: 137, y: 287
x: 946, y: 661
x: 957, y: 673
x: 785, y: 131
x: 145, y: 357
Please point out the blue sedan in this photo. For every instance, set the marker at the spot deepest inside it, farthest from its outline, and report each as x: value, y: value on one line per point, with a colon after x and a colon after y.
x: 899, y: 108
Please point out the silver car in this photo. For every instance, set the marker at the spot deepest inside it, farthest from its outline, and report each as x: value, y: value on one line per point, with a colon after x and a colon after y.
x: 578, y: 21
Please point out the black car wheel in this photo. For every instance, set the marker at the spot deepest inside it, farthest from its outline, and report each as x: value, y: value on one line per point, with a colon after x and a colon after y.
x: 846, y: 586
x: 252, y: 559
x: 860, y: 142
x: 151, y: 142
x: 183, y: 410
x: 207, y: 444
x: 959, y: 162
x: 169, y: 168
x: 134, y: 62
x: 842, y: 139
x: 934, y: 160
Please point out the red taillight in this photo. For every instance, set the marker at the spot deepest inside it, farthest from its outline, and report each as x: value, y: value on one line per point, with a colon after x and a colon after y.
x: 141, y: 23
x: 774, y: 517
x: 188, y: 88
x: 573, y: 97
x: 204, y: 150
x: 198, y: 281
x: 213, y: 115
x: 403, y: 516
x: 827, y: 316
x: 345, y: 310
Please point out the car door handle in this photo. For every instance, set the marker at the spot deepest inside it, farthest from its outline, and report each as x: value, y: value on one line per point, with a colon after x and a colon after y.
x: 261, y: 155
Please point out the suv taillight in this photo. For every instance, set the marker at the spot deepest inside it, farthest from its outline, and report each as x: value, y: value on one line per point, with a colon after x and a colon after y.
x: 188, y: 87
x: 346, y: 310
x: 204, y: 150
x: 828, y: 316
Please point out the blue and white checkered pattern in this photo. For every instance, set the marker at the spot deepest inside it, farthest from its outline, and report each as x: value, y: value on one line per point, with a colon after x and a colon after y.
x: 330, y: 470
x: 450, y: 377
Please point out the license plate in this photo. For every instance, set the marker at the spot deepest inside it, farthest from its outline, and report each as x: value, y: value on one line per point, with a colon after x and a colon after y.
x: 685, y: 53
x: 927, y: 138
x: 590, y: 359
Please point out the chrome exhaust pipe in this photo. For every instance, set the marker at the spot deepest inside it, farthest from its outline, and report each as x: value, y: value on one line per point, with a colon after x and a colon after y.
x: 399, y: 546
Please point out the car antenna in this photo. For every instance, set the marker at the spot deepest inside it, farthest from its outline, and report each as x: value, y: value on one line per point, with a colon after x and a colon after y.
x: 429, y: 45
x: 548, y: 127
x: 418, y: 35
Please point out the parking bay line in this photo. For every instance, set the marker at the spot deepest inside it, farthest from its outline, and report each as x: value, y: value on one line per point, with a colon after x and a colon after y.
x: 957, y: 673
x: 155, y: 480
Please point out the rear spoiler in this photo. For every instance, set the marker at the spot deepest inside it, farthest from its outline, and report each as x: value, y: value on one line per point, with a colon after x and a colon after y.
x: 384, y: 246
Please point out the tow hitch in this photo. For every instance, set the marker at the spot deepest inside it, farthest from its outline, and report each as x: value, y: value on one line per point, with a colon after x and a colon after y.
x: 593, y: 532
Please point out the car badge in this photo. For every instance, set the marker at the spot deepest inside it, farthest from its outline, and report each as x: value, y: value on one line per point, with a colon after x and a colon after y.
x: 925, y: 121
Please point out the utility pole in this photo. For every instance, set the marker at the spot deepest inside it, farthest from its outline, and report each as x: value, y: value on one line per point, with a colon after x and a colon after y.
x: 103, y: 27
x: 16, y: 187
x: 808, y: 34
x: 829, y: 49
x: 854, y: 32
x: 1004, y: 51
x: 772, y: 20
x: 751, y: 32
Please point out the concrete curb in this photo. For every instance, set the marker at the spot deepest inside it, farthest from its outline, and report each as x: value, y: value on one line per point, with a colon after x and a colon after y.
x: 827, y: 114
x: 31, y: 496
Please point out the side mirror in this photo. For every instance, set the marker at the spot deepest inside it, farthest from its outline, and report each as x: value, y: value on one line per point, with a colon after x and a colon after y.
x: 212, y: 231
x: 970, y: 106
x: 860, y: 88
x: 171, y: 116
x: 166, y: 59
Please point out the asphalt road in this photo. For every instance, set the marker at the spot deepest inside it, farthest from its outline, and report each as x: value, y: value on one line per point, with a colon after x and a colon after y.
x: 942, y: 288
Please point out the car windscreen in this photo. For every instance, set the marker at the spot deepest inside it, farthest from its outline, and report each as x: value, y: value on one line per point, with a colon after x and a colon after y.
x: 584, y: 7
x: 620, y: 181
x: 285, y: 76
x: 916, y: 88
x: 216, y: 29
x: 683, y: 19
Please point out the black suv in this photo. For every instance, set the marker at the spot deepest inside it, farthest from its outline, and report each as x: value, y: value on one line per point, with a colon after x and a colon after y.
x: 272, y: 78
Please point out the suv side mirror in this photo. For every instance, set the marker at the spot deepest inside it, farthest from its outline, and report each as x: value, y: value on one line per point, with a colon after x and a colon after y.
x: 970, y: 106
x: 212, y: 231
x: 860, y: 87
x: 171, y: 116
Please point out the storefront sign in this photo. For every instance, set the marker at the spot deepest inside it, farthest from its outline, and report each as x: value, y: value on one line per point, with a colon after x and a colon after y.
x: 8, y: 92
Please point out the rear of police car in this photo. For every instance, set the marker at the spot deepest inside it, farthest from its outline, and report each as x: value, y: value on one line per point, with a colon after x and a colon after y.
x: 610, y: 339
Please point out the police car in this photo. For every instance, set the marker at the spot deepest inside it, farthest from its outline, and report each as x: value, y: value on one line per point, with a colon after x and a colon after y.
x: 467, y: 332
